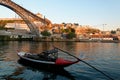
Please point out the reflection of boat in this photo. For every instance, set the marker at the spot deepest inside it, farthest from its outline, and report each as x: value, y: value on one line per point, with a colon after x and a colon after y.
x: 47, y: 72
x: 49, y: 57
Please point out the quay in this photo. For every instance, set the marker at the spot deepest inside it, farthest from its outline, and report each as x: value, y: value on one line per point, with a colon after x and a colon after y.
x: 38, y: 28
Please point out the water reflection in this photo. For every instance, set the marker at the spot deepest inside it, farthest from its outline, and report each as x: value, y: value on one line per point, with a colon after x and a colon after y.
x: 39, y: 73
x: 105, y: 56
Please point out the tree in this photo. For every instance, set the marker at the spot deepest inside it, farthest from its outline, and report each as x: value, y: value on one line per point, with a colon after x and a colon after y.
x: 46, y: 33
x: 118, y: 29
x: 70, y: 35
x: 76, y: 24
x: 4, y: 22
x: 72, y: 30
x: 66, y: 30
x: 113, y: 32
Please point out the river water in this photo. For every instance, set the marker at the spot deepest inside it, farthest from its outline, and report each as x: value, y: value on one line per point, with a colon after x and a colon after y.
x: 103, y: 56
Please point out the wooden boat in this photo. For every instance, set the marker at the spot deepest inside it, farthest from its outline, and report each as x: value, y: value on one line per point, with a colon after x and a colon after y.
x: 46, y: 58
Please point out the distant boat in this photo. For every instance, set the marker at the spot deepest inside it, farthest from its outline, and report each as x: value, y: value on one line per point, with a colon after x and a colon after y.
x: 46, y: 58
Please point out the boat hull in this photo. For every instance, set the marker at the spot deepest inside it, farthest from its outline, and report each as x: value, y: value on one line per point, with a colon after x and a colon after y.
x: 37, y: 64
x: 59, y: 63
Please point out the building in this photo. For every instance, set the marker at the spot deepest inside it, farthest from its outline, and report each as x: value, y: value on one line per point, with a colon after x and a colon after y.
x: 19, y: 23
x: 16, y: 26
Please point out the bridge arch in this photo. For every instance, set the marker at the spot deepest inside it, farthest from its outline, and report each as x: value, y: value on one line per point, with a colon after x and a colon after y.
x: 27, y: 16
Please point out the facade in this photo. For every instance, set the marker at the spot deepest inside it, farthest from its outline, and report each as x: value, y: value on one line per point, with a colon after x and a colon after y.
x: 80, y: 30
x: 19, y: 25
x: 100, y: 37
x: 16, y: 26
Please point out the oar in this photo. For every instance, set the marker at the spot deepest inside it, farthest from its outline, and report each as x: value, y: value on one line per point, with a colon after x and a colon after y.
x: 86, y: 63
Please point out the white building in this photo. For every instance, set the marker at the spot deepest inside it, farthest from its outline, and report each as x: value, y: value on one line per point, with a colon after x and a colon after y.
x: 20, y: 26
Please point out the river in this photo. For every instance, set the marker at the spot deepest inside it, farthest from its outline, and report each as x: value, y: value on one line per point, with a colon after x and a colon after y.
x: 103, y: 56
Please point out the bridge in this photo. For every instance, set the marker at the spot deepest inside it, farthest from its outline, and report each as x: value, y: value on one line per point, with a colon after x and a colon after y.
x: 28, y: 17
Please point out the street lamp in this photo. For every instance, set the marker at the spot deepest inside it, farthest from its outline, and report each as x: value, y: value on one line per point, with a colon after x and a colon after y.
x: 104, y: 26
x: 103, y: 31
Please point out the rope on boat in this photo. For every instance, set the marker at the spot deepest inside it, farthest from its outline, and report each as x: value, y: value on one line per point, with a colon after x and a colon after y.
x: 86, y: 63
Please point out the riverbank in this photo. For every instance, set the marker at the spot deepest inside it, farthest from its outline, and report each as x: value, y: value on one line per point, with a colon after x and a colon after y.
x: 19, y: 38
x: 104, y: 41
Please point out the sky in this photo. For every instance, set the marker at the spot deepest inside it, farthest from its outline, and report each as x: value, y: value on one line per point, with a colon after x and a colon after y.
x: 85, y: 12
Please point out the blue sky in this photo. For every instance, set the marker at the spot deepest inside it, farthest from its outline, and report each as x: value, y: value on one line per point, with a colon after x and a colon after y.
x: 84, y: 12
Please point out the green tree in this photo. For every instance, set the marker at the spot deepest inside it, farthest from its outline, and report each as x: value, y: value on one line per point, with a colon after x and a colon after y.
x: 72, y: 30
x: 76, y: 24
x: 4, y: 22
x: 66, y: 30
x: 46, y: 33
x: 71, y: 35
x: 113, y: 32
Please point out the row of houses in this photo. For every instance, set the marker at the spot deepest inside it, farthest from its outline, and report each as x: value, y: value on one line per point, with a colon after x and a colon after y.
x: 22, y: 30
